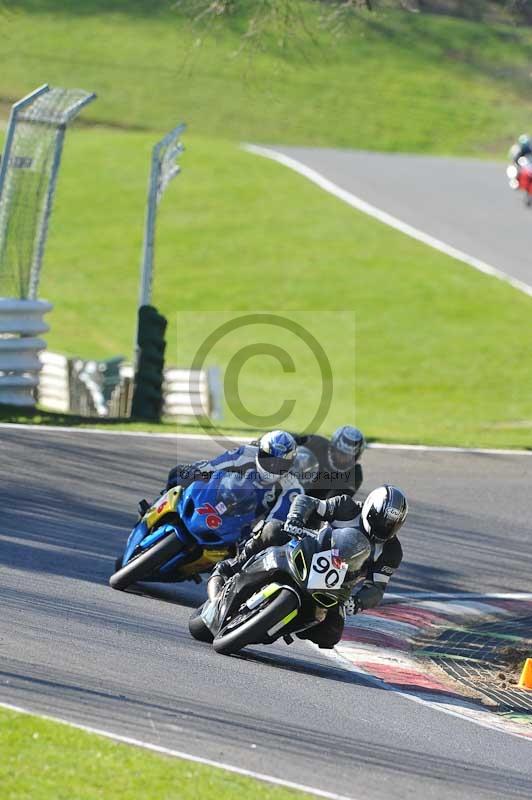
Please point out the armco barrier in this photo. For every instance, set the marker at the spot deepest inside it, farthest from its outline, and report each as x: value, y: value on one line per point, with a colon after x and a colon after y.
x: 54, y: 387
x: 186, y: 393
x: 20, y: 322
x: 190, y: 393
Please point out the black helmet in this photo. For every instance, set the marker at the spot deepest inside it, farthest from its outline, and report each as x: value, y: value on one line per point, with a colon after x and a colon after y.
x: 346, y: 447
x: 384, y: 512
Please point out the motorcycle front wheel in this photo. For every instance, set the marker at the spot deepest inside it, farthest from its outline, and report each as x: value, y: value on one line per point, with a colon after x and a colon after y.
x: 198, y: 629
x: 255, y: 626
x: 146, y: 564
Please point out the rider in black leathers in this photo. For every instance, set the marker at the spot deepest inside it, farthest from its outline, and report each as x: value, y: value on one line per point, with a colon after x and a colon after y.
x: 338, y: 469
x: 380, y: 518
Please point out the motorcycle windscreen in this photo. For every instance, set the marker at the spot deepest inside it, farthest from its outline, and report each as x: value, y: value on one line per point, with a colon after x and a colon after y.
x: 351, y: 547
x: 237, y: 494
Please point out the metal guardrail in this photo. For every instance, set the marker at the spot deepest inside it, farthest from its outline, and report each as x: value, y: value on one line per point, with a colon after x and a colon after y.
x: 105, y: 388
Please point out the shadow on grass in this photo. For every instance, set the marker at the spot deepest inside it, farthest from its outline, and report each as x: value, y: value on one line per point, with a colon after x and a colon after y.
x: 82, y: 8
x: 15, y: 416
x: 464, y: 47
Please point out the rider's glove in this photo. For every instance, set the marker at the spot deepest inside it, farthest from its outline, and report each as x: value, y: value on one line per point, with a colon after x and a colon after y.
x: 353, y: 606
x: 301, y: 510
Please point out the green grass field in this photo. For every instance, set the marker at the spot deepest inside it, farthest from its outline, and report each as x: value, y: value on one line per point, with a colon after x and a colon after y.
x: 43, y: 760
x: 439, y: 361
x: 439, y: 357
x: 392, y: 81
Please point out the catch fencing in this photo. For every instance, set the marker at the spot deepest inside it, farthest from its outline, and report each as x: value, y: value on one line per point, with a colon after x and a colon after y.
x: 28, y: 176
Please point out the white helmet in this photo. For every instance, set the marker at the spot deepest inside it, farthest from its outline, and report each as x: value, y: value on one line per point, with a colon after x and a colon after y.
x: 383, y: 513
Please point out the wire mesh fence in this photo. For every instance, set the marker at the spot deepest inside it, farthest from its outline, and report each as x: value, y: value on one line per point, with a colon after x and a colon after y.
x: 28, y: 174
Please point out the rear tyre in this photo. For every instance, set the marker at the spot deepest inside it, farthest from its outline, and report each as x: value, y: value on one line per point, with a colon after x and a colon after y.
x: 198, y: 629
x: 143, y: 566
x: 254, y: 629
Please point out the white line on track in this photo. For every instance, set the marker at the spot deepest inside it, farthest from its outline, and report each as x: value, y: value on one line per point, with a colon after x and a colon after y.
x: 383, y: 216
x: 334, y: 656
x: 203, y: 437
x: 416, y: 594
x: 248, y: 773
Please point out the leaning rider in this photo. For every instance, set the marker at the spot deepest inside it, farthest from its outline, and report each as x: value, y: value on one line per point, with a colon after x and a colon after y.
x: 338, y: 470
x: 265, y: 464
x: 380, y: 518
x: 523, y: 147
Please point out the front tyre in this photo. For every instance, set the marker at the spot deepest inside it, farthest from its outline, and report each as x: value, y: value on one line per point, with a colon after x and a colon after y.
x: 255, y: 626
x: 198, y: 629
x: 145, y: 565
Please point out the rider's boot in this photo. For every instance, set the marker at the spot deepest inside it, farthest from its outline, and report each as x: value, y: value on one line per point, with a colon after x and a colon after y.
x: 231, y: 566
x: 143, y: 507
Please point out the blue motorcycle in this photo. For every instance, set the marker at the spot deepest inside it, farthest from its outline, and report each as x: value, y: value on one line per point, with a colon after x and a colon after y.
x: 187, y: 531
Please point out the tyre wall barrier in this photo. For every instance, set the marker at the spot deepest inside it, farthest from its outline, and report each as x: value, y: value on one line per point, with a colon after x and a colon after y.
x: 105, y: 388
x: 192, y: 393
x: 20, y: 323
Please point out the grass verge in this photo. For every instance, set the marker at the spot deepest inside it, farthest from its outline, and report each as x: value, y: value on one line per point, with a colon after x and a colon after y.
x: 44, y: 760
x: 392, y: 81
x: 440, y: 353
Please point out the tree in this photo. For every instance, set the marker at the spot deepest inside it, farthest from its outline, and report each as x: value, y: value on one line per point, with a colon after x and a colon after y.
x: 290, y: 20
x: 285, y: 20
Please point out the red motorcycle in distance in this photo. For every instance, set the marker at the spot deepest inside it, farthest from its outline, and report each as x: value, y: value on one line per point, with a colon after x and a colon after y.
x: 520, y: 177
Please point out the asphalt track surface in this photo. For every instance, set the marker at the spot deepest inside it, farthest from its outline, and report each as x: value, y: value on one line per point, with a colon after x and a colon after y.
x: 466, y: 203
x: 73, y: 648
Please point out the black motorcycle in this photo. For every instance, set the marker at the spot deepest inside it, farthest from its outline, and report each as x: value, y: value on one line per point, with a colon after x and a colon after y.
x: 282, y: 590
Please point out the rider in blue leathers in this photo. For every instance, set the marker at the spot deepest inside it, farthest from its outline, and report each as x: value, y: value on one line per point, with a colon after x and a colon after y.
x: 266, y: 464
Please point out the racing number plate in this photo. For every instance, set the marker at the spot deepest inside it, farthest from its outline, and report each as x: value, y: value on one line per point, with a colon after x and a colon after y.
x: 323, y: 572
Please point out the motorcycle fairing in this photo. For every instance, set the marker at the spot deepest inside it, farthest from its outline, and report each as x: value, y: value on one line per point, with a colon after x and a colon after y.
x: 206, y: 561
x: 271, y: 567
x: 140, y: 536
x: 227, y: 529
x: 163, y: 505
x: 203, y: 544
x: 214, y: 613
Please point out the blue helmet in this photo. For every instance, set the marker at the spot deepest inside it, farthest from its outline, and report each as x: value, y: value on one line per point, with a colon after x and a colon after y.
x: 275, y: 455
x: 346, y: 447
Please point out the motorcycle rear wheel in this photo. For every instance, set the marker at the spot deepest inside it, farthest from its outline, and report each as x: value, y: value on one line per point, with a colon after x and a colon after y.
x: 255, y: 629
x: 145, y: 565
